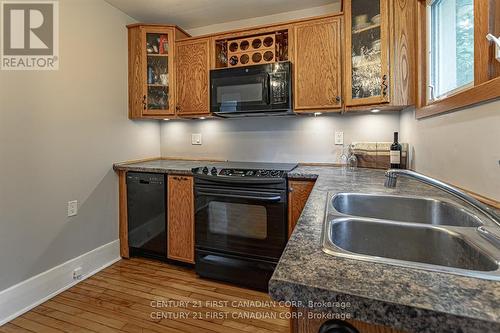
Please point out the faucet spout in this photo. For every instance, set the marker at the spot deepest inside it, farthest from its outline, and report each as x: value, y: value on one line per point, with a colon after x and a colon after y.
x: 392, y: 175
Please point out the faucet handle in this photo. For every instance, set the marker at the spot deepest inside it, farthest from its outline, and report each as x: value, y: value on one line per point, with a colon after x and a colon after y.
x: 391, y: 179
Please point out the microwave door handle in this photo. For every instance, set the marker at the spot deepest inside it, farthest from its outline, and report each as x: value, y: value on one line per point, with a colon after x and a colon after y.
x: 249, y: 197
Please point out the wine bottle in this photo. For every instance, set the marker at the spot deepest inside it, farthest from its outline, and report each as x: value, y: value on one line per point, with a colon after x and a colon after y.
x: 395, y: 154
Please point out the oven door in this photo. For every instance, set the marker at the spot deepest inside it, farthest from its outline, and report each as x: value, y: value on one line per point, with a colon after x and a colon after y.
x: 240, y: 90
x: 250, y: 223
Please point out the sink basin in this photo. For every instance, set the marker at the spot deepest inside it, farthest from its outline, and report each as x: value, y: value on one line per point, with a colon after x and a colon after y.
x: 404, y: 209
x: 413, y: 232
x: 420, y: 244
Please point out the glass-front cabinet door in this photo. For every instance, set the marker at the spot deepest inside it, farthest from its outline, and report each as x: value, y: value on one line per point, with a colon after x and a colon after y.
x: 367, y: 49
x: 157, y: 69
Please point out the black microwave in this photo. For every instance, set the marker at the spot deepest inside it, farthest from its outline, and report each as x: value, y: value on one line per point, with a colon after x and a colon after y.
x: 257, y: 90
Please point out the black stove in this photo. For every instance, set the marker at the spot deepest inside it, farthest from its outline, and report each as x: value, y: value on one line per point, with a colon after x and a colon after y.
x: 241, y: 220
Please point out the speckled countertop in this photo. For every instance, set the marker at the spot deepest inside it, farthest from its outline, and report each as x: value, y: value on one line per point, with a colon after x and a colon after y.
x: 409, y: 299
x: 161, y: 166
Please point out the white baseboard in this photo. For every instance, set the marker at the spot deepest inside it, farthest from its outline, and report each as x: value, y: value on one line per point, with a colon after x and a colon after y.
x: 24, y: 296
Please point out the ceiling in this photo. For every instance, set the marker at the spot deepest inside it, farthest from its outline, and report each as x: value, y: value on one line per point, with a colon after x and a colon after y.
x: 190, y: 14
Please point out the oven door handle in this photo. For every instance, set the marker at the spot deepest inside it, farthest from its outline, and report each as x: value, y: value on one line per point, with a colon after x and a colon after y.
x: 249, y: 197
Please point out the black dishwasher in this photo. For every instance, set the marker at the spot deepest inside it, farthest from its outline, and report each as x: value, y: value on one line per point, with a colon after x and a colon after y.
x: 146, y: 207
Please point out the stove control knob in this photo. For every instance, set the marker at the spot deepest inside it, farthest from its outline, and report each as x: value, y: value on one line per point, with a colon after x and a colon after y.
x: 214, y: 171
x: 205, y: 170
x: 264, y: 173
x: 275, y: 173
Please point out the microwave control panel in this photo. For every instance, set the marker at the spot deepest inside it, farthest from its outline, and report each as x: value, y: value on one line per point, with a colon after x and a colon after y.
x: 279, y: 88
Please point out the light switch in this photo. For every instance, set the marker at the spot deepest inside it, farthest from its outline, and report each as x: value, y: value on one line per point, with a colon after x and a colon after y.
x: 196, y: 139
x: 339, y: 138
x: 72, y: 208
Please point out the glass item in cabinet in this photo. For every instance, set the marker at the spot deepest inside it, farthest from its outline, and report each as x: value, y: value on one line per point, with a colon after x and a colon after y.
x: 157, y: 98
x: 366, y: 49
x: 157, y: 71
x: 157, y: 66
x: 157, y: 43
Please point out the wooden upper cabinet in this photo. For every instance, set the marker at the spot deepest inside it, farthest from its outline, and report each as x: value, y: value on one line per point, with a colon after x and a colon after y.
x: 318, y: 65
x: 380, y: 60
x: 299, y: 191
x: 151, y: 74
x: 367, y: 51
x: 192, y: 77
x: 180, y: 242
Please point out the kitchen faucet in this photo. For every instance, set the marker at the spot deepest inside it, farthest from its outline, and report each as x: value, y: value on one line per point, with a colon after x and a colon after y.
x: 391, y: 177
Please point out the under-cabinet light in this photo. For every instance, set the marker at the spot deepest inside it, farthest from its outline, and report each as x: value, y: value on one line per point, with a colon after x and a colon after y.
x: 375, y: 110
x: 317, y: 114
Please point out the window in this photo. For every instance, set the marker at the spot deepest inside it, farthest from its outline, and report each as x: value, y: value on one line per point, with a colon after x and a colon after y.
x: 456, y: 63
x: 451, y: 47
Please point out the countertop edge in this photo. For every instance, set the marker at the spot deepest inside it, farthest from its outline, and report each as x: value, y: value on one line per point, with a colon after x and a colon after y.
x: 378, y: 312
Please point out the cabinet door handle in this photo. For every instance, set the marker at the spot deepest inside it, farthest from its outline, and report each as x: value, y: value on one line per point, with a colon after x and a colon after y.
x: 177, y: 108
x: 144, y: 102
x: 338, y: 99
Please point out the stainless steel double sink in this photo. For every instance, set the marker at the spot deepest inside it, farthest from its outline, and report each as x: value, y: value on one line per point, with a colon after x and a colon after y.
x: 418, y: 232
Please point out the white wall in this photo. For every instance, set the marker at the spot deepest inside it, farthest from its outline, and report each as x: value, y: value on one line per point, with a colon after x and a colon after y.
x: 268, y: 19
x: 462, y: 148
x: 279, y: 139
x: 290, y: 139
x: 60, y: 132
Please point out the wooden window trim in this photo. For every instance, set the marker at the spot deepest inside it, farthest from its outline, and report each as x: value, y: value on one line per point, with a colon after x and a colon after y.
x: 486, y: 68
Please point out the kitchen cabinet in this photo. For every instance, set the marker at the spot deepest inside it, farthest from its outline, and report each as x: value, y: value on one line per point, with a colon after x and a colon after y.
x: 299, y: 191
x: 264, y: 45
x: 318, y: 65
x: 306, y: 325
x: 380, y: 53
x: 192, y: 77
x: 151, y: 70
x: 180, y: 211
x: 374, y: 66
x: 123, y: 214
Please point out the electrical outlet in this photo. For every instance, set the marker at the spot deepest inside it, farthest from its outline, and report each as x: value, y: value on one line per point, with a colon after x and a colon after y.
x: 77, y: 273
x: 339, y: 138
x: 72, y: 208
x: 196, y: 139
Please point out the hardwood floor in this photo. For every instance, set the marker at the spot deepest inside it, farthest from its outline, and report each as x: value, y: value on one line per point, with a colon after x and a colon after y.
x: 140, y: 295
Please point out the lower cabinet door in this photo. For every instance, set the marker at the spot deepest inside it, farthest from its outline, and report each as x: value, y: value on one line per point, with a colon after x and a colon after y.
x: 180, y: 242
x: 299, y: 191
x: 310, y: 322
